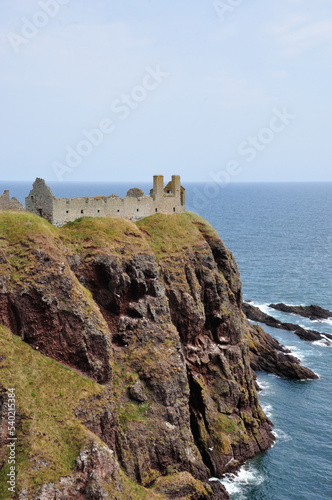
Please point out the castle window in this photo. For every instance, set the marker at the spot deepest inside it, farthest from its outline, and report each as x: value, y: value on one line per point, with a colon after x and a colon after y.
x: 173, y: 209
x: 67, y: 211
x: 156, y: 209
x: 138, y: 210
x: 82, y: 211
x: 118, y: 210
x: 99, y: 211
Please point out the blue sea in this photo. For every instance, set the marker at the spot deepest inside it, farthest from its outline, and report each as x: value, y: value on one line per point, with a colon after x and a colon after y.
x: 281, y: 236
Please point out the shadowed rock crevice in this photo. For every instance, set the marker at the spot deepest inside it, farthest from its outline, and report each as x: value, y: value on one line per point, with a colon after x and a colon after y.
x: 198, y: 422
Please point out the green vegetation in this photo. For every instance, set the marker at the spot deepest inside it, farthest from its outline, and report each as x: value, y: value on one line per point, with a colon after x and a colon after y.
x: 89, y: 235
x: 21, y: 227
x: 183, y: 485
x: 47, y: 394
x: 171, y: 234
x: 20, y: 232
x: 132, y: 412
x: 226, y: 424
x: 123, y: 377
x: 49, y: 437
x: 137, y: 492
x: 227, y: 430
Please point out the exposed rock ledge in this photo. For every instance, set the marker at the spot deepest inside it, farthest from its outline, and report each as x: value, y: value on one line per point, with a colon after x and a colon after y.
x: 268, y: 355
x: 255, y: 314
x: 312, y: 312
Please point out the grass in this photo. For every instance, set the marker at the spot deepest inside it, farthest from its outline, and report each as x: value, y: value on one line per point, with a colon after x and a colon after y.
x: 123, y: 377
x: 171, y: 234
x: 46, y: 396
x: 227, y: 431
x: 20, y: 227
x: 89, y: 235
x: 138, y: 492
x: 132, y: 412
x: 225, y: 424
x: 20, y: 233
x: 183, y: 484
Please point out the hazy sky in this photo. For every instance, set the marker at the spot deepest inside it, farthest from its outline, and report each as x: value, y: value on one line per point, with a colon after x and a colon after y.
x: 121, y: 90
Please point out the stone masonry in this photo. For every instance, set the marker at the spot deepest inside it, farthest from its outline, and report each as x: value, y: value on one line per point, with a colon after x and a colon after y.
x: 7, y: 203
x: 134, y: 206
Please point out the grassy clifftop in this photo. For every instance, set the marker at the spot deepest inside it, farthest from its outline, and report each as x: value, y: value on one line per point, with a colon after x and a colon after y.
x: 164, y: 233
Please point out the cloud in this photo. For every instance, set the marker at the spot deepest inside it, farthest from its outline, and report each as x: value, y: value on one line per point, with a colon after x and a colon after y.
x: 297, y: 34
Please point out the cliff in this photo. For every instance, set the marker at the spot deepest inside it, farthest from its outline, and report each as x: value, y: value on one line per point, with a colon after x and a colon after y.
x: 130, y: 356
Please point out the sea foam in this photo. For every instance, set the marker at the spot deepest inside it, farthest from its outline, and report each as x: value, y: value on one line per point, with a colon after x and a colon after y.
x: 280, y: 435
x: 237, y: 483
x: 323, y: 342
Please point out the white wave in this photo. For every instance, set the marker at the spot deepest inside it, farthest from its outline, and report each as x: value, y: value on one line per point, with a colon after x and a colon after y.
x: 264, y: 386
x: 323, y: 342
x: 234, y: 483
x: 281, y: 435
x: 263, y: 307
x: 327, y: 321
x: 295, y: 351
x: 231, y: 487
x: 268, y: 410
x: 319, y: 321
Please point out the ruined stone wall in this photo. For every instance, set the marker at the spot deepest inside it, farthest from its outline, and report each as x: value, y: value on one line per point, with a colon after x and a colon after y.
x: 69, y: 209
x: 9, y: 204
x: 136, y: 206
x: 40, y: 200
x: 4, y: 201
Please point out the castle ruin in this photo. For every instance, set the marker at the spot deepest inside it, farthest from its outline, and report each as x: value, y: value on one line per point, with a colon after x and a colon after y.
x: 7, y: 203
x: 134, y: 206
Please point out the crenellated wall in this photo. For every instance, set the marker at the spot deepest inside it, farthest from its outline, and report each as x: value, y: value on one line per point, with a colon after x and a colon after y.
x: 134, y: 206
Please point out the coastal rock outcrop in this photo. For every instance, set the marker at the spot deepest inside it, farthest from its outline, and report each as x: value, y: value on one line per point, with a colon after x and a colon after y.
x: 132, y: 358
x: 255, y: 314
x: 268, y: 355
x: 312, y: 312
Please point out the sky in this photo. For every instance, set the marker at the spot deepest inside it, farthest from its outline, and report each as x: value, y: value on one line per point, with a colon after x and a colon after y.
x: 215, y: 91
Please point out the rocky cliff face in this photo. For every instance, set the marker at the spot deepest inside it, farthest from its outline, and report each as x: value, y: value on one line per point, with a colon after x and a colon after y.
x: 160, y: 395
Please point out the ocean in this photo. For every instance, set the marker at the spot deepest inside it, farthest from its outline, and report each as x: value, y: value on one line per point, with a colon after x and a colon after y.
x: 281, y: 236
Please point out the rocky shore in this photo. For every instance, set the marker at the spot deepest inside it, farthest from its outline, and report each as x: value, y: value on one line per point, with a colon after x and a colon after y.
x: 312, y: 312
x: 255, y: 314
